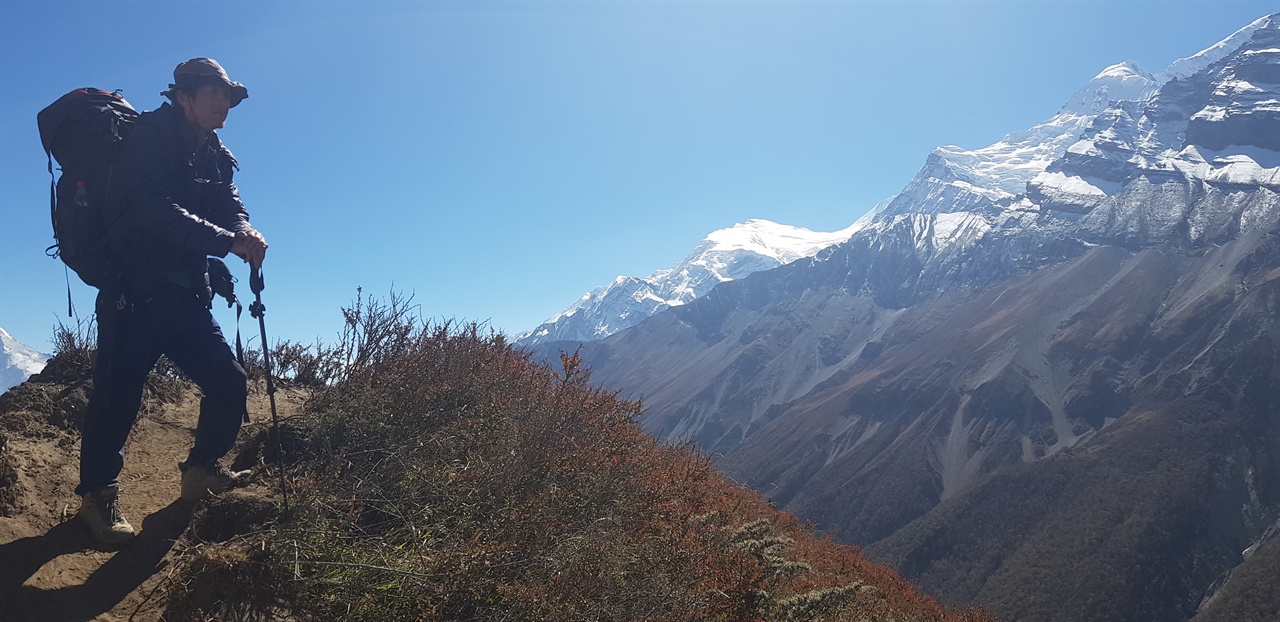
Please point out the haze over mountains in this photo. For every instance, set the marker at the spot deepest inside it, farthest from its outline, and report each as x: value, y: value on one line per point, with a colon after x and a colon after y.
x: 1043, y: 377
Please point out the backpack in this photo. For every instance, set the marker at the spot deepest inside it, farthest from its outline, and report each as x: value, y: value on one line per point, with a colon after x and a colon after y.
x: 83, y: 131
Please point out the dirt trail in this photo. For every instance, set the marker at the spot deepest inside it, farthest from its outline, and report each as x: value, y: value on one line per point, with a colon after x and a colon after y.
x: 50, y: 569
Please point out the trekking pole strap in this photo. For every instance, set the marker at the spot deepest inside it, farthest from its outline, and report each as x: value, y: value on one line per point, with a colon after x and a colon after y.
x: 256, y: 283
x: 240, y: 347
x: 53, y: 196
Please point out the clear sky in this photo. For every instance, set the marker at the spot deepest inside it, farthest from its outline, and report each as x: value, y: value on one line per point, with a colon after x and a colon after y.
x: 499, y: 159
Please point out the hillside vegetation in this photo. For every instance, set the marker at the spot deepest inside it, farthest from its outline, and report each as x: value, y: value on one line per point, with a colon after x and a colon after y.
x: 440, y: 475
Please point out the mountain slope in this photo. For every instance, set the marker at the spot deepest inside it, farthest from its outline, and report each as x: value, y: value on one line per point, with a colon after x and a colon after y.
x: 1054, y: 399
x: 439, y: 476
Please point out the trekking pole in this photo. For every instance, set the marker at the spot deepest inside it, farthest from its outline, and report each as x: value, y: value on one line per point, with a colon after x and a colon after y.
x: 258, y: 310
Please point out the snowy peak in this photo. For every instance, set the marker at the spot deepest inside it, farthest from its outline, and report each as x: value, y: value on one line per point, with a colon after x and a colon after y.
x: 744, y: 248
x: 784, y: 243
x: 733, y: 253
x: 1210, y: 116
x: 1122, y: 81
x: 1185, y: 67
x: 17, y: 361
x: 724, y: 255
x: 1243, y: 103
x: 1220, y: 125
x: 988, y: 179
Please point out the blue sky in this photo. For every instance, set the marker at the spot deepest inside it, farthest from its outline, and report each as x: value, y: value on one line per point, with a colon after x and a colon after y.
x: 499, y: 159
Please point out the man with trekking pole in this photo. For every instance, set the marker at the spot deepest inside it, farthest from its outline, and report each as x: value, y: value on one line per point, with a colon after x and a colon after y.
x: 170, y: 204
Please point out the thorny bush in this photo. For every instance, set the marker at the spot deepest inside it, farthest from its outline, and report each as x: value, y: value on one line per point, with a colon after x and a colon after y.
x: 448, y: 477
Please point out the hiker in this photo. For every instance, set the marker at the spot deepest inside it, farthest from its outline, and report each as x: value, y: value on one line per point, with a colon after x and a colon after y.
x: 170, y: 204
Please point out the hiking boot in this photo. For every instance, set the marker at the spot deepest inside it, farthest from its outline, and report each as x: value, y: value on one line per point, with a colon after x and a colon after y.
x: 199, y: 482
x: 100, y: 512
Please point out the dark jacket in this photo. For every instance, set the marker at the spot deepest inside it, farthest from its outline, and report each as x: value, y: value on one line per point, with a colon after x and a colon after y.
x: 171, y: 203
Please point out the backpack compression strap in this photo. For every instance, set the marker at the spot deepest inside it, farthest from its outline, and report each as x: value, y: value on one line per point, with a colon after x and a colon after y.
x: 52, y: 250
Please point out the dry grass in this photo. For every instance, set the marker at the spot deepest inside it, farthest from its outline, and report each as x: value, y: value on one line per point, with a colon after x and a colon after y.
x: 441, y: 475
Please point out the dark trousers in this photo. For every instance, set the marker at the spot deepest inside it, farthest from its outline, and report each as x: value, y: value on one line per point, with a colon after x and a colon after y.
x: 131, y: 337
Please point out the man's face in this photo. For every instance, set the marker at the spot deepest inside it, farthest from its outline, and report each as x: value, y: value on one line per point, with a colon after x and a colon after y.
x: 207, y: 107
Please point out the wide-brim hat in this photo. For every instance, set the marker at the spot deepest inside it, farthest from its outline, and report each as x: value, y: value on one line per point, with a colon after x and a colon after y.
x: 202, y: 70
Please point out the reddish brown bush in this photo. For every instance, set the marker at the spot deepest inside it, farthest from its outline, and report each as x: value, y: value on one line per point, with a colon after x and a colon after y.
x: 447, y: 477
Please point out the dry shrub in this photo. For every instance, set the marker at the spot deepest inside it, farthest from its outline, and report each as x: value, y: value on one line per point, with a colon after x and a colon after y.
x: 302, y: 365
x: 447, y: 477
x: 75, y: 346
x: 227, y: 584
x: 234, y: 513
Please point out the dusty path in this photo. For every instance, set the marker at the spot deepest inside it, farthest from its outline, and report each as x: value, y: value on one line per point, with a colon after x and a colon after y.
x: 50, y: 569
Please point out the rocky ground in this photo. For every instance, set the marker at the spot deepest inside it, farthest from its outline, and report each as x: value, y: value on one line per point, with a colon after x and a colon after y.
x: 50, y: 569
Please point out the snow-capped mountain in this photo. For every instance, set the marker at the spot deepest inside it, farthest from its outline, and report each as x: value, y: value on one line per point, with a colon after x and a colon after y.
x: 986, y: 180
x: 955, y: 184
x: 1188, y: 157
x: 17, y: 361
x: 1096, y: 169
x: 1051, y: 357
x: 723, y: 255
x: 1186, y: 67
